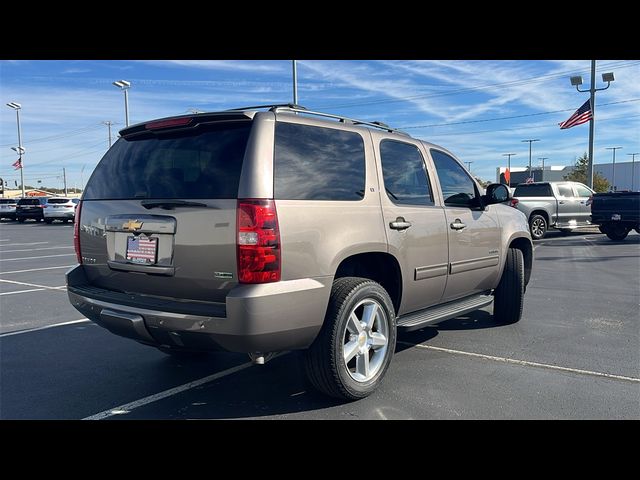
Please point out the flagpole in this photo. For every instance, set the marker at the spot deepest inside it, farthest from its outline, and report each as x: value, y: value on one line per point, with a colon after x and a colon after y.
x: 592, y: 123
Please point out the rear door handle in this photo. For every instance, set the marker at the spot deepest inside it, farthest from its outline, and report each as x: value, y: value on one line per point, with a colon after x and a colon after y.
x: 399, y: 224
x: 457, y: 224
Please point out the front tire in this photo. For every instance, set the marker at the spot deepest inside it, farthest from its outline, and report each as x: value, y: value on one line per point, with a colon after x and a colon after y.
x: 354, y: 348
x: 509, y: 295
x: 538, y: 227
x: 48, y: 220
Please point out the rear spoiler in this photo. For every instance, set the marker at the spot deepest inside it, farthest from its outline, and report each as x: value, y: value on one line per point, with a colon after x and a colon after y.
x: 183, y: 122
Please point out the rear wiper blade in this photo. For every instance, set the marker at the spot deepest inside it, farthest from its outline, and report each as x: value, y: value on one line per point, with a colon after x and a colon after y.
x: 169, y: 204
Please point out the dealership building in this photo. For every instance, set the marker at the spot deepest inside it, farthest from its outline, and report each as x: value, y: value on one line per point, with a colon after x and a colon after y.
x: 625, y: 174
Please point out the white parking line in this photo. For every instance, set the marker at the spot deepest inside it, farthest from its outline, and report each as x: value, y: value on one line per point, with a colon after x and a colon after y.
x: 34, y: 249
x: 32, y: 285
x: 23, y: 244
x: 524, y: 362
x: 37, y: 269
x: 4, y: 240
x: 23, y: 291
x: 127, y: 407
x: 28, y: 330
x: 32, y: 258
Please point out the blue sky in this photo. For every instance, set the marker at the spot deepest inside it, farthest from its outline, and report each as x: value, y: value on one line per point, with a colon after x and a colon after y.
x: 457, y: 104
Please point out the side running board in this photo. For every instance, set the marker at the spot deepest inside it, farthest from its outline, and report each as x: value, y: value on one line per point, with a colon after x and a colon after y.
x: 438, y: 313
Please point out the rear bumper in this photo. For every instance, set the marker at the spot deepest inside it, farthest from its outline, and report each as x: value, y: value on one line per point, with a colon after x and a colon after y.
x: 259, y: 318
x: 37, y: 215
x: 6, y: 214
x: 60, y: 214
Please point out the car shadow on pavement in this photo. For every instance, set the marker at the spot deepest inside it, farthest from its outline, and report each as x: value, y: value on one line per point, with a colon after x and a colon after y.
x: 280, y: 388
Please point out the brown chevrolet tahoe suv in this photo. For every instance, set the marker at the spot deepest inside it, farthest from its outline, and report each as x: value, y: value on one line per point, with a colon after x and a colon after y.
x: 275, y: 228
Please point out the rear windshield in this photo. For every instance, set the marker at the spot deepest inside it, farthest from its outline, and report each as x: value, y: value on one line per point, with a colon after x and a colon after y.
x: 6, y: 200
x: 29, y: 201
x: 201, y: 163
x: 541, y: 190
x: 58, y: 200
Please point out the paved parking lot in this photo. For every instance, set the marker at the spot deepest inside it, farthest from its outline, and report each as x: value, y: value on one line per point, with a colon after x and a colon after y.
x: 575, y: 353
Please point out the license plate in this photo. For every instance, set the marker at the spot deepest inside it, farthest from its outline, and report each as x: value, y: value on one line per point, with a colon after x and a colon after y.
x: 142, y: 249
x: 616, y: 216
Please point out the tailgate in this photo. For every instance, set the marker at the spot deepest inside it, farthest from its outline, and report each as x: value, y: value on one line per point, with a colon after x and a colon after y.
x: 158, y: 215
x: 187, y: 253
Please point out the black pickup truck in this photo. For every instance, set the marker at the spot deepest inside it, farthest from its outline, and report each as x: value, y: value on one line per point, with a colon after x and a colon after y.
x: 617, y: 213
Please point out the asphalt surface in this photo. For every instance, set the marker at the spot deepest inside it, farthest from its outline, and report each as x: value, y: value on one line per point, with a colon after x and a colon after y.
x: 574, y: 355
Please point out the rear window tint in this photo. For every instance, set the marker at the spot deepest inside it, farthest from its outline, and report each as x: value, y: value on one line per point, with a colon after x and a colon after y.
x: 316, y: 163
x: 29, y: 201
x: 58, y: 200
x: 201, y: 163
x: 542, y: 190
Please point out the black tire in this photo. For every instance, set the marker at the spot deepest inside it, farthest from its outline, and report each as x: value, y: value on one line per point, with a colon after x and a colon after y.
x: 538, y: 227
x: 21, y: 220
x: 617, y: 233
x: 602, y: 229
x: 509, y: 295
x: 324, y: 363
x: 183, y: 354
x: 48, y: 220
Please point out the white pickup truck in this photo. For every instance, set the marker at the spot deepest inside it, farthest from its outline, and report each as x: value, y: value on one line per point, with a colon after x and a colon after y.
x: 562, y: 205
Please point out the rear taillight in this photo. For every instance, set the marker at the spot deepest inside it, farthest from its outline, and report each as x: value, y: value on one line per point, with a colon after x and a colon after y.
x: 258, y: 241
x: 514, y: 202
x: 76, y: 233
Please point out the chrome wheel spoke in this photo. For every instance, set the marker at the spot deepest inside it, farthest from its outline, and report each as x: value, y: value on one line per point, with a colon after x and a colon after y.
x: 377, y: 340
x: 369, y: 315
x: 353, y: 325
x: 350, y: 349
x: 362, y: 364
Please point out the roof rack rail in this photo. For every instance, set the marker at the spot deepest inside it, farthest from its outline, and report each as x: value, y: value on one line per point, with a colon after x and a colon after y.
x: 298, y: 109
x: 270, y: 107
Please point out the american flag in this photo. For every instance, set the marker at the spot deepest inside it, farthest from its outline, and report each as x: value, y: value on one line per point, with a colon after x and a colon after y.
x: 580, y: 116
x: 17, y: 164
x: 141, y: 248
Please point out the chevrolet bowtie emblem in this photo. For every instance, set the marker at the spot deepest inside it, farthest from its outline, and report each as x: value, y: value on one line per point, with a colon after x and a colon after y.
x: 132, y: 225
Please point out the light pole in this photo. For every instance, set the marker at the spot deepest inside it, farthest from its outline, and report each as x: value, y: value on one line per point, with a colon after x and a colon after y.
x: 613, y: 175
x: 108, y: 123
x: 543, y: 159
x: 633, y: 164
x: 124, y: 86
x: 469, y: 165
x: 509, y: 166
x: 576, y: 82
x: 20, y: 150
x: 530, y: 142
x: 295, y: 82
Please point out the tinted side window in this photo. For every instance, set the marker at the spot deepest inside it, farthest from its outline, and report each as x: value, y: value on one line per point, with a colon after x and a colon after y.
x: 405, y: 178
x: 316, y: 163
x: 533, y: 190
x: 458, y: 189
x: 565, y: 191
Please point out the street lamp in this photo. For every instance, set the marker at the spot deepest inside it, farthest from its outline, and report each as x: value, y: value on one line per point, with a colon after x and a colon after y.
x: 124, y: 86
x: 17, y: 107
x: 509, y: 166
x: 543, y: 159
x: 530, y: 142
x: 576, y: 82
x: 633, y: 164
x: 613, y: 175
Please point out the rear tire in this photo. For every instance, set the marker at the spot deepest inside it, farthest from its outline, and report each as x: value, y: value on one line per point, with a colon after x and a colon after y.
x: 21, y: 220
x: 602, y: 229
x: 48, y: 220
x: 359, y: 334
x: 617, y: 233
x: 509, y: 295
x: 538, y: 227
